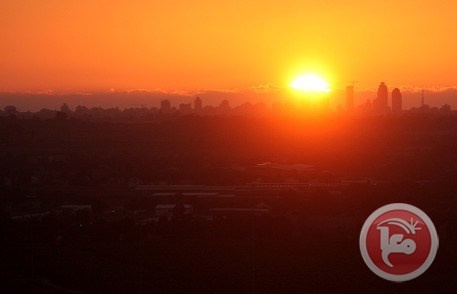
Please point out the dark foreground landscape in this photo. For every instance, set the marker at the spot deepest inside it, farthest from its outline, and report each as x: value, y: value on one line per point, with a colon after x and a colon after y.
x: 189, y: 204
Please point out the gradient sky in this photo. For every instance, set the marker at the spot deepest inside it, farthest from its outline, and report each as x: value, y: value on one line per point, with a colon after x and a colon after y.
x: 209, y: 44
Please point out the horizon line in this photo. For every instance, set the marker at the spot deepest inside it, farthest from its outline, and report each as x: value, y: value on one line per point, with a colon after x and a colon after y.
x: 265, y: 88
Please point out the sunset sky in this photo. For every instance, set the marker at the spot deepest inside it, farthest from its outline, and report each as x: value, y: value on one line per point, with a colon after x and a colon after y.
x: 89, y: 45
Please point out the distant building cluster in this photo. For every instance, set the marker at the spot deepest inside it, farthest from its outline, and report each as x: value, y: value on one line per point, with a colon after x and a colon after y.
x: 380, y: 105
x: 223, y: 108
x: 142, y: 112
x: 186, y: 108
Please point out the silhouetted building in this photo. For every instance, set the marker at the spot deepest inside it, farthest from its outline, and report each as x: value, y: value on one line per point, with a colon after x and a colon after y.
x: 446, y: 108
x: 185, y: 107
x: 225, y: 106
x: 424, y: 107
x: 380, y: 104
x: 349, y: 97
x: 165, y: 106
x: 81, y: 110
x: 65, y: 109
x: 422, y: 99
x: 198, y: 104
x: 396, y: 101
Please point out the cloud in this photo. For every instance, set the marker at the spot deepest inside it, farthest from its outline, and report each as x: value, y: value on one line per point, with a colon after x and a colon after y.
x: 410, y: 89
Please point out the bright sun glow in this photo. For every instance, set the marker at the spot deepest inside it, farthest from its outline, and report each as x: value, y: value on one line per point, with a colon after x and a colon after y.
x: 310, y: 83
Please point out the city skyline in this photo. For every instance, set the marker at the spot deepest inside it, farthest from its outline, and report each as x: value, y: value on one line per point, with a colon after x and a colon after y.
x: 411, y: 98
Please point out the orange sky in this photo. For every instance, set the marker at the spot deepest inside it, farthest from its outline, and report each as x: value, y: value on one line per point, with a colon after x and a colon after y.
x: 210, y: 44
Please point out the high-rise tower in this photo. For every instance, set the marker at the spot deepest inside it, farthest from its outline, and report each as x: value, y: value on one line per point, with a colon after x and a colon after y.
x: 165, y: 106
x: 198, y: 104
x: 380, y: 104
x: 396, y: 101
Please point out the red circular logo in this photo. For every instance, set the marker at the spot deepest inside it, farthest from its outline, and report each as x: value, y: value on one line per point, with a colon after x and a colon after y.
x: 398, y: 242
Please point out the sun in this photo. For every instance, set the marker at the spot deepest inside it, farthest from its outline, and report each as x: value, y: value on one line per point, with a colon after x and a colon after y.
x: 311, y: 83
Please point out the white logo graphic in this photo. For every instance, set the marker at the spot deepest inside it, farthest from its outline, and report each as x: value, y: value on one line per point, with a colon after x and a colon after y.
x: 396, y: 244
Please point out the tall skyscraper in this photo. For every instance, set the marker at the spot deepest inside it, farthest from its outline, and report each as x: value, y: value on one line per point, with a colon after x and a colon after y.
x: 396, y: 101
x: 165, y: 106
x: 198, y: 104
x: 349, y: 97
x: 380, y: 104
